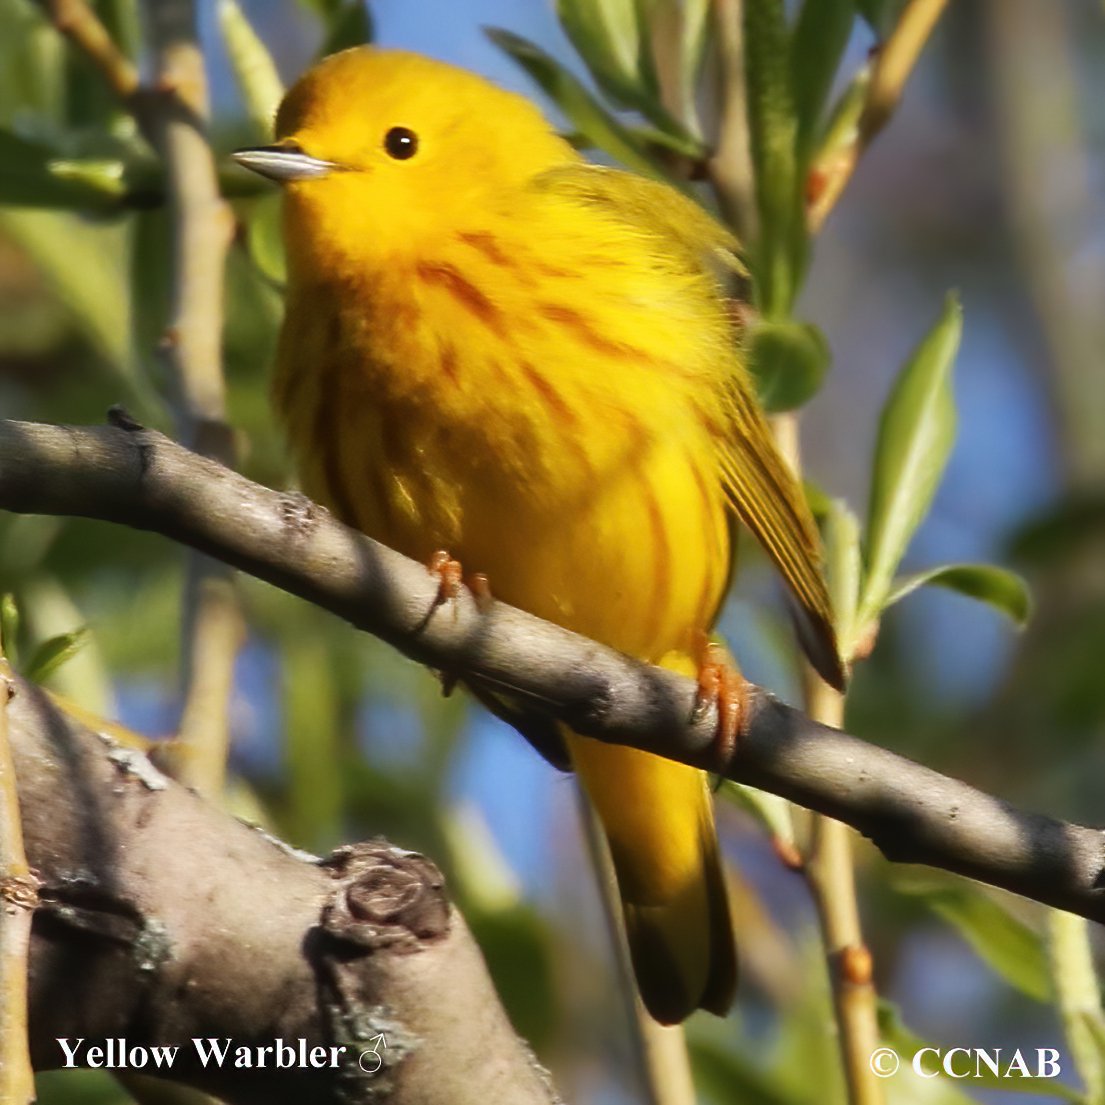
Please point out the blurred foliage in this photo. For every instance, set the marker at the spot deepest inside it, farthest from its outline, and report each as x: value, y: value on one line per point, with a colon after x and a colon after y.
x: 338, y: 738
x: 1008, y: 944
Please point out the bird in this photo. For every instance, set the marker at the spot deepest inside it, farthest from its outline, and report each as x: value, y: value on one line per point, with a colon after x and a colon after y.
x: 499, y: 355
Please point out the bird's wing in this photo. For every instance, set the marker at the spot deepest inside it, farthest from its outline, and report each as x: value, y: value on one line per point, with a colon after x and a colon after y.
x: 769, y: 500
x: 687, y: 233
x: 762, y: 490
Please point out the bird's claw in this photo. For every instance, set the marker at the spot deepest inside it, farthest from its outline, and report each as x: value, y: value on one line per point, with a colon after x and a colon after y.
x: 450, y: 576
x: 721, y: 685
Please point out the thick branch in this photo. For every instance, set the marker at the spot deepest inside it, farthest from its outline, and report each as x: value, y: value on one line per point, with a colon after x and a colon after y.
x: 913, y: 814
x: 235, y: 937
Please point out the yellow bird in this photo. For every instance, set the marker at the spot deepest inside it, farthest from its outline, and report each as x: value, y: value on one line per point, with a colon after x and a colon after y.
x: 493, y: 348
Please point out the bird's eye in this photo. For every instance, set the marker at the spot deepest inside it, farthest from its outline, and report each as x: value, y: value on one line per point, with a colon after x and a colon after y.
x: 401, y: 143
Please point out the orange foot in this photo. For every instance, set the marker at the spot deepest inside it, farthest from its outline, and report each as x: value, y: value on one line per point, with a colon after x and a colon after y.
x: 450, y: 576
x: 721, y: 685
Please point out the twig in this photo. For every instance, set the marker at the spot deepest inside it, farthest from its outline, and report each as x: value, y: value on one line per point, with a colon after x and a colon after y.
x: 829, y: 865
x: 730, y: 168
x: 202, y: 227
x: 893, y: 64
x: 18, y: 898
x: 173, y: 117
x: 831, y: 875
x: 913, y: 814
x: 82, y: 26
x: 661, y: 1053
x: 830, y: 872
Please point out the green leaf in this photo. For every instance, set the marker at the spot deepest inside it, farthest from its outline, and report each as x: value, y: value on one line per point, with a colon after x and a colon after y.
x: 841, y: 130
x: 804, y: 1054
x: 818, y: 499
x: 843, y: 570
x: 51, y: 654
x: 150, y: 279
x: 817, y: 44
x: 915, y: 437
x: 779, y: 255
x: 1095, y: 1026
x: 1015, y: 951
x: 33, y: 174
x: 519, y: 953
x: 1070, y: 954
x: 728, y: 1075
x: 9, y: 628
x: 880, y: 15
x: 773, y: 812
x: 350, y: 24
x: 583, y: 111
x: 77, y: 1087
x: 252, y: 65
x: 265, y: 239
x: 33, y: 60
x: 695, y: 25
x: 788, y: 360
x: 678, y: 142
x: 1005, y: 591
x: 66, y: 248
x: 612, y: 39
x: 312, y: 716
x: 105, y: 176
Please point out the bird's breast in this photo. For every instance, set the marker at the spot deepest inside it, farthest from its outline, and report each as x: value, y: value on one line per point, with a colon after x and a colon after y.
x: 519, y: 439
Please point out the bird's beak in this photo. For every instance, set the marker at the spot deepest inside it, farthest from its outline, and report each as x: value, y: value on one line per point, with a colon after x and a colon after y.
x: 284, y: 163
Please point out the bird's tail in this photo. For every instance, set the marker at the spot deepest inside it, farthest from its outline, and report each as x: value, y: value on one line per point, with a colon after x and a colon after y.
x: 658, y: 818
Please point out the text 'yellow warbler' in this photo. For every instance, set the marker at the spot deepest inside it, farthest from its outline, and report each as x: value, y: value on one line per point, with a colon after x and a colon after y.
x: 493, y: 348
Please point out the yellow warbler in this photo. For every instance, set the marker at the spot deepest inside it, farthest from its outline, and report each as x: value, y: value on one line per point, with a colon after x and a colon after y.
x: 493, y: 348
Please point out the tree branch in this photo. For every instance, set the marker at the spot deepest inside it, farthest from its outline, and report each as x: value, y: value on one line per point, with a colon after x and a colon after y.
x: 82, y: 26
x: 18, y: 898
x: 239, y: 938
x: 913, y: 814
x: 830, y: 870
x: 893, y: 64
x: 172, y: 113
x: 830, y: 873
x: 192, y: 346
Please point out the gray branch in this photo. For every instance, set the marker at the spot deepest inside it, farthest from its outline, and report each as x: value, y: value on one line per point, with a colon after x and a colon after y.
x: 162, y: 920
x: 139, y: 478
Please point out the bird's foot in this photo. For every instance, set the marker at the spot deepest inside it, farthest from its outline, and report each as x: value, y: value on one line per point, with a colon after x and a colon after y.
x: 450, y: 579
x: 450, y: 575
x: 721, y: 685
x: 480, y: 586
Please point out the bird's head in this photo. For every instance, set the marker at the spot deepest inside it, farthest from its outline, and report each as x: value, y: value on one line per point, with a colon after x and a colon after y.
x: 380, y: 151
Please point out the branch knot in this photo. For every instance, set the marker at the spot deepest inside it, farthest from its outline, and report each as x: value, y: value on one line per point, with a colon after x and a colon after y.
x: 387, y: 897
